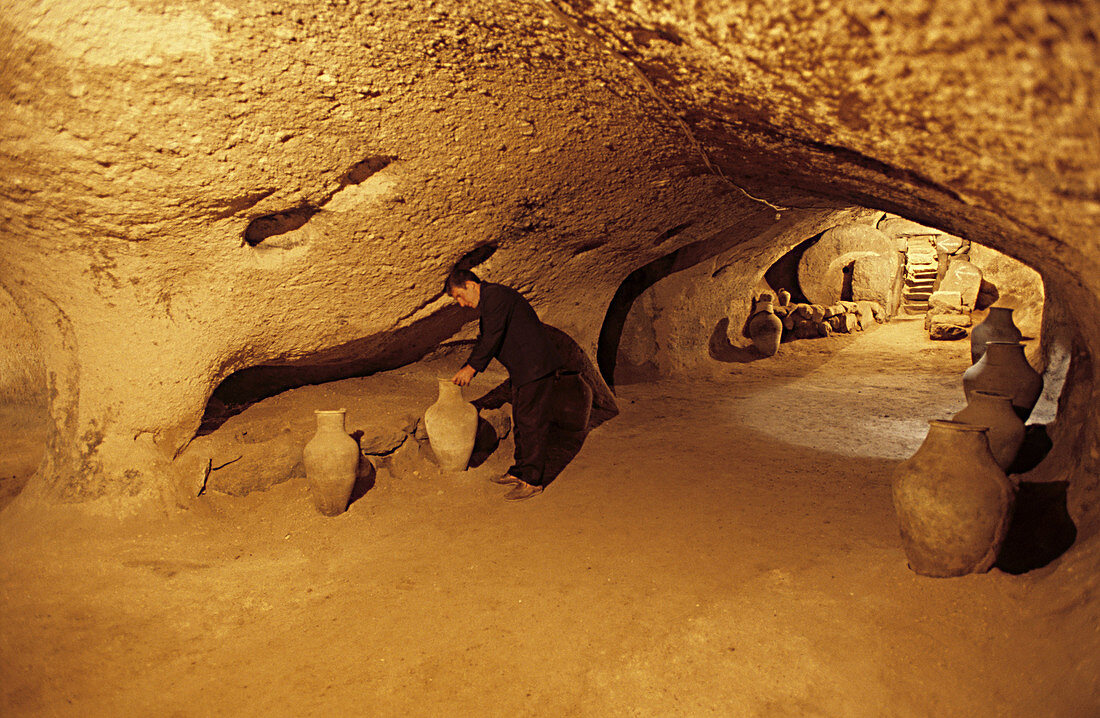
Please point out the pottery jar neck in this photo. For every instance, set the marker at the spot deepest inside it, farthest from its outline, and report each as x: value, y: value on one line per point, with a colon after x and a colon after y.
x: 1003, y: 352
x: 991, y: 399
x: 970, y: 437
x: 332, y: 420
x: 449, y: 391
x: 1000, y: 315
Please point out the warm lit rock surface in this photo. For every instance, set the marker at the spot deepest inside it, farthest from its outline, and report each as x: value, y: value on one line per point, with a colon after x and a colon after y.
x: 143, y: 146
x: 867, y: 256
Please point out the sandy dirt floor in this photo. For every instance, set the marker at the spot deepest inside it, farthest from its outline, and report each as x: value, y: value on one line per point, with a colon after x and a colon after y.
x: 726, y: 546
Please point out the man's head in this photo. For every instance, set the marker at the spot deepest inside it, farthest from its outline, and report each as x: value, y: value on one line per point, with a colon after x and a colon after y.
x: 464, y: 287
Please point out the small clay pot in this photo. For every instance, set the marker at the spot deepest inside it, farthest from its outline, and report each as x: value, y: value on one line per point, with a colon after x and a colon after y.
x: 451, y: 423
x: 765, y: 329
x: 996, y: 327
x: 331, y: 460
x: 1006, y: 430
x: 1004, y: 369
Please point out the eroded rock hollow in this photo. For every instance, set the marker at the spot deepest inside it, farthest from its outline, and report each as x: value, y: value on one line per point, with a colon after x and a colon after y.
x: 195, y: 189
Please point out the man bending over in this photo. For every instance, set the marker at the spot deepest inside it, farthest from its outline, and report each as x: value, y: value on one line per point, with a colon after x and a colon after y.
x: 511, y: 332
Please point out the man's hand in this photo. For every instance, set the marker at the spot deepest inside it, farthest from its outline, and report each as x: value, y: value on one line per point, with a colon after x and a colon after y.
x: 464, y: 376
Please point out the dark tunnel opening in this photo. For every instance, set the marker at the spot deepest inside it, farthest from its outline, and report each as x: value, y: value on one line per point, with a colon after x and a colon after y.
x: 245, y: 387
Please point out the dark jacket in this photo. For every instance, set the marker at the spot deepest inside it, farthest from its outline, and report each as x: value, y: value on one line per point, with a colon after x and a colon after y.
x: 511, y: 332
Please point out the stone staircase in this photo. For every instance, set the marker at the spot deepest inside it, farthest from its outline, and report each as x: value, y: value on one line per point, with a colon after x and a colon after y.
x: 920, y: 274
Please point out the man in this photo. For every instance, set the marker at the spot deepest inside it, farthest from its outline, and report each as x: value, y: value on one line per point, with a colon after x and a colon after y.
x: 511, y: 332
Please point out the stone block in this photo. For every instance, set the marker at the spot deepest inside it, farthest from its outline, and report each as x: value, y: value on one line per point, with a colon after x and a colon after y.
x: 946, y: 332
x: 945, y: 302
x: 822, y: 266
x: 382, y: 441
x: 964, y: 278
x: 873, y: 277
x: 844, y: 323
x: 865, y: 310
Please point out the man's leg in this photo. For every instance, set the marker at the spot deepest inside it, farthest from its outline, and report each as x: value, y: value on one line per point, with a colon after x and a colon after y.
x: 531, y: 417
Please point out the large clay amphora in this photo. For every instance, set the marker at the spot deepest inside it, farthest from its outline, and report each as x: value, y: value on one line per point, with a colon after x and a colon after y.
x: 953, y: 502
x: 1004, y: 369
x: 1006, y: 430
x: 765, y: 329
x: 451, y: 423
x: 996, y: 327
x: 331, y: 459
x: 571, y: 404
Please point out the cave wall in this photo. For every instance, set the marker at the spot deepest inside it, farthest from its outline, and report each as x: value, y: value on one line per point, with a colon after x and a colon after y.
x: 22, y: 376
x: 681, y: 323
x: 195, y: 188
x: 1019, y: 287
x: 289, y: 184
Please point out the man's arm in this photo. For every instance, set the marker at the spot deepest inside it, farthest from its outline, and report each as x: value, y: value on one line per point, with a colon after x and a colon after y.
x: 494, y: 322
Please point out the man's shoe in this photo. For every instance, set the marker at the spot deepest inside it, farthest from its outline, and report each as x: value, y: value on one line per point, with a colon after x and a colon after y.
x: 506, y: 479
x: 523, y: 490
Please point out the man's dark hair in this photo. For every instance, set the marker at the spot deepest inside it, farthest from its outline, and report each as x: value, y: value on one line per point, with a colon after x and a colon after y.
x: 458, y: 278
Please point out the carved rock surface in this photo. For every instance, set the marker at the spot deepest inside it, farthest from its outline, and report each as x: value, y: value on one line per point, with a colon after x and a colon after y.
x: 191, y: 191
x: 822, y: 267
x: 964, y: 278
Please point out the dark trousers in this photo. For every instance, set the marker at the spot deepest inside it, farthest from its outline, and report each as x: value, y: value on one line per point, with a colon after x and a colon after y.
x: 531, y: 419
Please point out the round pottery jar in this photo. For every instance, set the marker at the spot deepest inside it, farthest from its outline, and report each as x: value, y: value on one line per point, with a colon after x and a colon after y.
x: 765, y: 329
x: 331, y: 459
x: 1004, y: 369
x: 451, y: 423
x: 996, y: 327
x: 953, y: 502
x: 1006, y: 430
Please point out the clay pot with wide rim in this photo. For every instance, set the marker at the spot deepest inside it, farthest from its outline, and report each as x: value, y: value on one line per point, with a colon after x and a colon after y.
x: 451, y: 423
x: 1004, y: 369
x: 996, y: 327
x: 953, y: 502
x: 331, y: 460
x: 1006, y: 429
x: 765, y: 329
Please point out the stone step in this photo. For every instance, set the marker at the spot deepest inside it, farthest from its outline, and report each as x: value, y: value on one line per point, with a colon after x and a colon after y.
x: 917, y: 296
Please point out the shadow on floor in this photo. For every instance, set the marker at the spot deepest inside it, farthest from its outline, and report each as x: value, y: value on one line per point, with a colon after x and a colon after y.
x: 486, y: 442
x: 721, y: 349
x: 1041, y: 528
x: 563, y: 445
x: 364, y: 477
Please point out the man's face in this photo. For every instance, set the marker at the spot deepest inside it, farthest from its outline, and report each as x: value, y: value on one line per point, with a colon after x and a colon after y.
x: 467, y: 295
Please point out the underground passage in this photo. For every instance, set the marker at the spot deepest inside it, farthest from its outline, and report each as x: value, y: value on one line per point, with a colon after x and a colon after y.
x: 557, y: 357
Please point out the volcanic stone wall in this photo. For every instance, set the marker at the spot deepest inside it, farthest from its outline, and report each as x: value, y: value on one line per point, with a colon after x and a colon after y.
x: 191, y: 189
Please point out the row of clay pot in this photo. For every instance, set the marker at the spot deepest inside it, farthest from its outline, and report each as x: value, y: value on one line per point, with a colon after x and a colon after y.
x: 953, y: 499
x: 332, y: 458
x: 806, y: 321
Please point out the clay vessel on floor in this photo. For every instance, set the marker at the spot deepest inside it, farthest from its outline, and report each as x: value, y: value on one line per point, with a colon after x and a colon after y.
x: 331, y: 459
x: 953, y: 502
x: 451, y: 423
x: 1006, y: 430
x: 571, y: 404
x: 765, y: 329
x: 1004, y: 369
x: 784, y: 297
x: 996, y: 327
